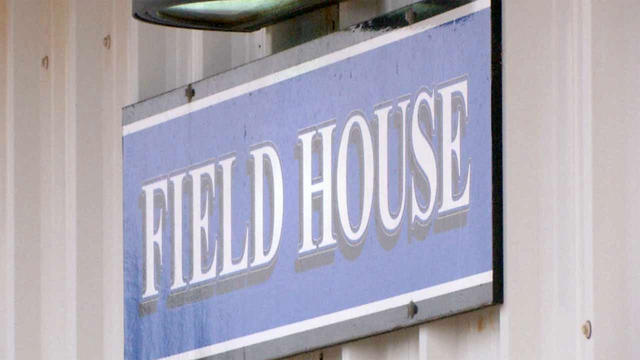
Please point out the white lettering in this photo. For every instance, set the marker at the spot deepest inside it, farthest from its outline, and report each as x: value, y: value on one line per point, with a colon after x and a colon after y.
x: 424, y: 157
x: 228, y: 265
x: 451, y: 145
x: 390, y: 223
x: 354, y: 235
x: 200, y: 219
x: 153, y: 236
x: 178, y: 279
x: 440, y: 185
x: 323, y: 187
x: 266, y: 153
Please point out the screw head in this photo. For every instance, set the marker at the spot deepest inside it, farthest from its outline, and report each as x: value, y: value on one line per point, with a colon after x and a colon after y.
x: 587, y: 329
x: 106, y: 42
x: 189, y: 92
x: 412, y: 309
x: 45, y: 62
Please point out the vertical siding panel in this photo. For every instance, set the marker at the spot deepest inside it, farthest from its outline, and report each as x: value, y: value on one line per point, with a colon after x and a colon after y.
x: 132, y: 56
x: 70, y: 180
x: 168, y: 58
x: 180, y: 51
x: 244, y: 47
x: 152, y: 60
x: 49, y: 276
x: 26, y: 88
x: 528, y: 102
x: 216, y: 54
x: 184, y: 57
x: 401, y: 344
x: 117, y: 81
x: 89, y: 68
x: 470, y: 336
x: 583, y: 182
x: 59, y: 303
x: 7, y: 241
x: 111, y: 196
x: 544, y: 181
x: 197, y: 55
x: 171, y: 69
x: 616, y: 253
x: 222, y: 51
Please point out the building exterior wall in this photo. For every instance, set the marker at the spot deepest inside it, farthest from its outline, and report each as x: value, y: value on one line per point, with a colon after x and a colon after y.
x: 570, y: 86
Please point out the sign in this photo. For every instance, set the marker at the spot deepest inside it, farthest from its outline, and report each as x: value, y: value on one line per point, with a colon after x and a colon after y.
x: 341, y: 197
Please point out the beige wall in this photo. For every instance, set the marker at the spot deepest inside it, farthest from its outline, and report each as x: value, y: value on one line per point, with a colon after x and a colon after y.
x: 571, y: 90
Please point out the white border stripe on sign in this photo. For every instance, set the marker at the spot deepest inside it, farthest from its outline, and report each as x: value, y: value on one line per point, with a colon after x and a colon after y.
x: 337, y: 317
x: 306, y: 67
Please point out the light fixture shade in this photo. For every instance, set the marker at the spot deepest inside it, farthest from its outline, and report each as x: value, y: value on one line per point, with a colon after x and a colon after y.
x: 223, y: 15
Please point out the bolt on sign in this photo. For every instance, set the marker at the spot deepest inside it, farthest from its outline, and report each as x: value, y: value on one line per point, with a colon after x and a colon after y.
x: 344, y: 195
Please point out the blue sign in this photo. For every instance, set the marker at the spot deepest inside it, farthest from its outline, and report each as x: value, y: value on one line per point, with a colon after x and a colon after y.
x: 342, y: 197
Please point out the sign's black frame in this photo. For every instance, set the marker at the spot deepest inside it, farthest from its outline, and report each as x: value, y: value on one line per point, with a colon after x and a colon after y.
x: 497, y: 158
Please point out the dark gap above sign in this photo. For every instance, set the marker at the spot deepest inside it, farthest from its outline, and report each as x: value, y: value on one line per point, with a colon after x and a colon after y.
x: 252, y: 15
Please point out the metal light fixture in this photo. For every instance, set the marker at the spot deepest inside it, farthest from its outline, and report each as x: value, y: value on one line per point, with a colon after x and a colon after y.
x: 223, y: 15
